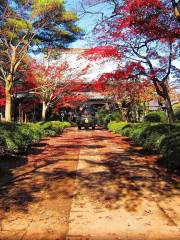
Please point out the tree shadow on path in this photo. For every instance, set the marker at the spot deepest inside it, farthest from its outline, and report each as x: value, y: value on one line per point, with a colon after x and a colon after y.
x: 122, y: 178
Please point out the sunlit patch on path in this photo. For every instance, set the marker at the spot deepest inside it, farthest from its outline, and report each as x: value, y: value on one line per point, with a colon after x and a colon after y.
x: 88, y: 185
x: 35, y: 203
x: 119, y: 195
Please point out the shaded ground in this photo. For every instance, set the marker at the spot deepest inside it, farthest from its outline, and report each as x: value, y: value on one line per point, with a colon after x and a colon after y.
x: 87, y: 185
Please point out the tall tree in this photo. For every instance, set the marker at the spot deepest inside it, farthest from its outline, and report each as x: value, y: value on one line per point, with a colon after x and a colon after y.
x: 127, y: 87
x: 174, y: 4
x: 147, y: 32
x: 30, y: 25
x: 52, y: 84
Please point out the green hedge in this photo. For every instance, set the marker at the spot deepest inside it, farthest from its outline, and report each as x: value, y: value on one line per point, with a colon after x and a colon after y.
x: 158, y: 137
x: 156, y: 117
x: 177, y: 116
x: 105, y: 116
x: 176, y: 108
x: 16, y: 137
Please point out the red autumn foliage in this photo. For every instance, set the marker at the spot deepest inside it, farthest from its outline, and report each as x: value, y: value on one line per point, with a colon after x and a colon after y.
x: 29, y: 105
x: 124, y: 83
x: 56, y: 86
x: 70, y: 101
x: 2, y: 96
x: 101, y: 52
x: 145, y: 31
x: 154, y: 18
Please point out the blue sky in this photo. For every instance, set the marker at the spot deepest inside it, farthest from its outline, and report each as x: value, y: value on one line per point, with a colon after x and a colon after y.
x: 86, y: 22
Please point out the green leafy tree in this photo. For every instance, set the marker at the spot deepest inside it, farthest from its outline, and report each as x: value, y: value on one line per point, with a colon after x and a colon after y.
x: 27, y: 26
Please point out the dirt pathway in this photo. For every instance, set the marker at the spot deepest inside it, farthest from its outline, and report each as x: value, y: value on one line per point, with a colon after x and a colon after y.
x: 88, y: 185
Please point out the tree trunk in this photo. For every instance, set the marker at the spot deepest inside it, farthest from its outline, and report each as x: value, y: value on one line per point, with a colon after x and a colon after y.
x: 134, y: 112
x: 176, y: 9
x: 162, y: 91
x: 8, y: 117
x: 8, y: 114
x: 169, y: 108
x: 168, y: 104
x: 44, y: 109
x: 144, y: 110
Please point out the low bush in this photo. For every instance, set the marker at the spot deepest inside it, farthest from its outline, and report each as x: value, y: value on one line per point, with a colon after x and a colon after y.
x: 117, y: 127
x: 156, y: 137
x: 104, y: 116
x: 53, y: 128
x: 156, y: 117
x: 177, y: 116
x: 15, y: 137
x: 176, y: 109
x: 116, y: 116
x: 170, y: 148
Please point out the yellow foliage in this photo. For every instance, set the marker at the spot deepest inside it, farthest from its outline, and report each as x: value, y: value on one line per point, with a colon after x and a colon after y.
x: 39, y: 7
x: 69, y: 16
x: 19, y: 23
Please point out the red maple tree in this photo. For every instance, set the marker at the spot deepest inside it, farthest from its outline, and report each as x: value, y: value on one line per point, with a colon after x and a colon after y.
x: 53, y: 84
x: 126, y: 86
x: 145, y: 32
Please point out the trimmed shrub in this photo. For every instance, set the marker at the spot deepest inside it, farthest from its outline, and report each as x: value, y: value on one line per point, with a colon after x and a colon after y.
x: 176, y: 109
x: 117, y: 127
x: 155, y: 137
x: 156, y: 117
x: 177, y: 116
x: 170, y: 148
x: 16, y: 137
